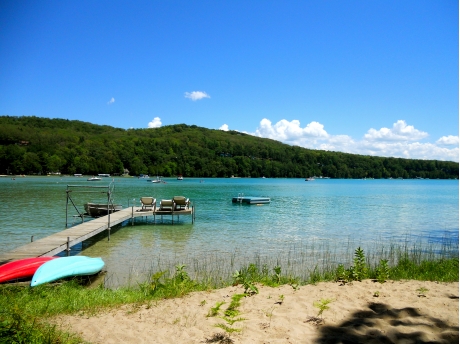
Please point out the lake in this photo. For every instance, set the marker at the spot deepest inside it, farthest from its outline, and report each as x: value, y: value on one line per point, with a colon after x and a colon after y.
x: 305, y: 223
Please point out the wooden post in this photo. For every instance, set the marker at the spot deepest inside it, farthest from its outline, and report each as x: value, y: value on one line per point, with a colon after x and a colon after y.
x: 68, y: 246
x: 32, y: 238
x: 108, y: 212
x: 66, y: 205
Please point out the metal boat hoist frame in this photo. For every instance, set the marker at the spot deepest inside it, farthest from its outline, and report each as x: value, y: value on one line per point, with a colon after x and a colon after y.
x: 108, y: 190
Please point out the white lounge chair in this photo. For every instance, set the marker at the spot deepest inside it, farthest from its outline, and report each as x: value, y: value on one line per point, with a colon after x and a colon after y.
x: 148, y: 203
x: 181, y: 203
x: 166, y: 205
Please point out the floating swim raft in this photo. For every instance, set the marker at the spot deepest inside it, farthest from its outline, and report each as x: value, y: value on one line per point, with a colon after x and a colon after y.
x: 251, y: 200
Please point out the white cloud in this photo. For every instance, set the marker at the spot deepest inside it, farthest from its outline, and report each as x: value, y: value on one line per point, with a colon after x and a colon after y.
x: 196, y: 95
x: 111, y: 101
x: 224, y: 127
x: 400, y: 131
x: 155, y: 123
x: 448, y: 140
x: 290, y: 131
x: 399, y: 141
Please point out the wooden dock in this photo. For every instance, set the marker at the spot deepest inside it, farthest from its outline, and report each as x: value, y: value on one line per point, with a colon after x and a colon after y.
x: 69, y: 237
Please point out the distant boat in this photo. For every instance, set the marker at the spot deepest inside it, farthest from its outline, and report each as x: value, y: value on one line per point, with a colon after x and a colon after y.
x: 93, y: 179
x: 66, y: 267
x: 106, y: 175
x: 158, y: 180
x: 179, y: 177
x: 22, y: 268
x: 309, y: 179
x: 100, y: 209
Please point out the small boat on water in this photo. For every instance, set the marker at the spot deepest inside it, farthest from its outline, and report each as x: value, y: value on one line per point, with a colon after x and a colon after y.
x: 22, y: 268
x: 100, y: 209
x: 179, y: 177
x: 250, y: 200
x: 158, y: 180
x: 93, y: 179
x: 66, y: 267
x: 309, y: 179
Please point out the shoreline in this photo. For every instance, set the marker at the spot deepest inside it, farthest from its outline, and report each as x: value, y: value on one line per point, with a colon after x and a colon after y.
x: 358, y: 312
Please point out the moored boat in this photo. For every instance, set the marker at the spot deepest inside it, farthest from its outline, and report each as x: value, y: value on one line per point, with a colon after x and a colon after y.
x: 250, y: 199
x: 93, y: 179
x: 22, y: 268
x: 66, y: 267
x: 100, y: 209
x: 158, y: 180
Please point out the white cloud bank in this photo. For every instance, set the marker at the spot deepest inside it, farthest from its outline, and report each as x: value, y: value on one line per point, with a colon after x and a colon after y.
x: 400, y: 132
x: 196, y: 95
x: 224, y: 127
x: 155, y: 123
x: 111, y: 101
x: 448, y: 140
x: 401, y: 140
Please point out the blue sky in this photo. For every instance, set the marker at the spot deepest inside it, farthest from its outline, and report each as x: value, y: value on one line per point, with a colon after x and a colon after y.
x: 366, y: 77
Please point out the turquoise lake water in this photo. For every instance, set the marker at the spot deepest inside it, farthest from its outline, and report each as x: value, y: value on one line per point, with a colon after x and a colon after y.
x: 302, y: 220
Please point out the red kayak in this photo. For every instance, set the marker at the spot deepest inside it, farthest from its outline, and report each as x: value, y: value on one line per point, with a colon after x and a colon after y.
x: 22, y: 268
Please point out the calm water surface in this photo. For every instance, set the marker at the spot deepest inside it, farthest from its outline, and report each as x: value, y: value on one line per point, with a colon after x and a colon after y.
x: 324, y: 214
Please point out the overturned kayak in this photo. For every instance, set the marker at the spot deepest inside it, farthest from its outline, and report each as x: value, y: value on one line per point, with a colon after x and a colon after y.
x: 22, y: 268
x: 66, y: 267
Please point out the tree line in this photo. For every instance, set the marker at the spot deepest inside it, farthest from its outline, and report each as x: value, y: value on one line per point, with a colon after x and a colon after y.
x: 34, y: 145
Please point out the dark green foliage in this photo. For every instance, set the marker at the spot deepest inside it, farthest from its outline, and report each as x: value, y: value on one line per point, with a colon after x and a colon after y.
x: 444, y: 270
x: 277, y: 277
x: 357, y: 272
x: 32, y: 145
x: 232, y: 309
x: 383, y: 271
x: 214, y: 311
x: 248, y: 283
x: 17, y: 327
x: 342, y: 274
x: 359, y: 268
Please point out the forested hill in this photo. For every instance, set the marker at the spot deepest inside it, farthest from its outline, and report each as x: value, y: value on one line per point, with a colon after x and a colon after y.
x: 32, y: 145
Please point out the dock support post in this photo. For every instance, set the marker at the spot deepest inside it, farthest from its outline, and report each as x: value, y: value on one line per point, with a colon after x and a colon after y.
x: 68, y: 246
x: 32, y: 238
x: 132, y: 216
x: 66, y: 205
x: 108, y: 234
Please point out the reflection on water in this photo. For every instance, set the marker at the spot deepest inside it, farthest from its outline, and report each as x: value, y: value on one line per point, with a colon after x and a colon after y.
x: 304, y: 225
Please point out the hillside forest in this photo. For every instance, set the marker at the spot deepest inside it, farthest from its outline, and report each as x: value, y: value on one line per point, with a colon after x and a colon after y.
x: 34, y: 145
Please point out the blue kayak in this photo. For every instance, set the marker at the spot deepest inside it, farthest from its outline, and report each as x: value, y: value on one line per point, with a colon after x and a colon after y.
x: 66, y: 267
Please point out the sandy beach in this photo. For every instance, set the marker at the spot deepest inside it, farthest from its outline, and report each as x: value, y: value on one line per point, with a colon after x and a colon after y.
x: 361, y: 312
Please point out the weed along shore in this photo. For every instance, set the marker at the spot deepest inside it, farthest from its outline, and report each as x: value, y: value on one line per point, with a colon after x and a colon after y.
x: 408, y: 295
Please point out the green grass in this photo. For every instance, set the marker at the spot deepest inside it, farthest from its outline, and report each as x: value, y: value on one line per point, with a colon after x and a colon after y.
x: 24, y: 311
